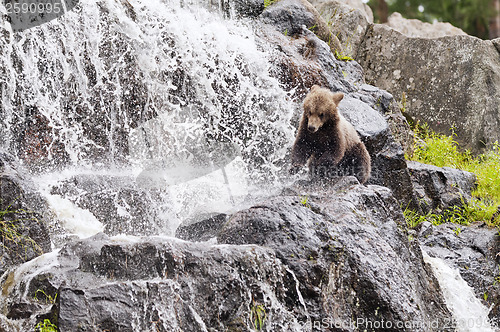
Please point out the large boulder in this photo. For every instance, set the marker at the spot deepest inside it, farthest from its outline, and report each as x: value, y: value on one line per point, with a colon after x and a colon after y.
x: 290, y: 16
x: 417, y: 28
x: 153, y: 284
x: 449, y: 82
x: 348, y: 20
x: 318, y: 256
x: 441, y: 188
x: 337, y: 240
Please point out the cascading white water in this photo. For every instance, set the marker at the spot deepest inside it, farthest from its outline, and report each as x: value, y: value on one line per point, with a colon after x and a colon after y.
x: 470, y: 315
x: 79, y: 94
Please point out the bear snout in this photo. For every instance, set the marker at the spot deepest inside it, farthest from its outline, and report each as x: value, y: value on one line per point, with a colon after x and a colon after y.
x: 312, y: 129
x: 314, y: 122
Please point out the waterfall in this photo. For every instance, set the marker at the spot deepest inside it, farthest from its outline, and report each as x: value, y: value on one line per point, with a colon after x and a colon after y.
x: 144, y: 102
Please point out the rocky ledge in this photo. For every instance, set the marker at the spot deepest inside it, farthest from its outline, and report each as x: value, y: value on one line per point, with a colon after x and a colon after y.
x: 316, y: 256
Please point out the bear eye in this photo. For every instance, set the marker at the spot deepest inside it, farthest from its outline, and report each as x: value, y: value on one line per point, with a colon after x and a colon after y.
x: 321, y: 115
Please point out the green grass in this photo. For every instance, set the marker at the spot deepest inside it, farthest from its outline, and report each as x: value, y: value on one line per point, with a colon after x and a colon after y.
x: 342, y: 57
x: 442, y: 150
x: 257, y: 315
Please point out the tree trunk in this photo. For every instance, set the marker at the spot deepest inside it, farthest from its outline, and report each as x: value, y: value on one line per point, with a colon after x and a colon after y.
x: 495, y: 20
x: 383, y: 11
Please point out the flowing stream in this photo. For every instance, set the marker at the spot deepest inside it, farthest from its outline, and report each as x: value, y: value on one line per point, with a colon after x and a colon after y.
x: 470, y: 314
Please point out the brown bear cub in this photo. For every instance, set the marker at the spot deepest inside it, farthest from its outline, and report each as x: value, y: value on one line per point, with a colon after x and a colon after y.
x: 328, y: 140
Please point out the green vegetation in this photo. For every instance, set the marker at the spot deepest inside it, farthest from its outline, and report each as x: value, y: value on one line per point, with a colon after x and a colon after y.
x: 442, y: 150
x: 47, y: 298
x: 257, y: 315
x: 304, y: 201
x: 496, y: 280
x: 471, y: 16
x: 342, y: 57
x: 268, y: 3
x: 45, y: 326
x: 10, y: 233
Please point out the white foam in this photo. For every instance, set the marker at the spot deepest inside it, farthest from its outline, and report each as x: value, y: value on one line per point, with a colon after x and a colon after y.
x: 75, y: 220
x: 469, y: 313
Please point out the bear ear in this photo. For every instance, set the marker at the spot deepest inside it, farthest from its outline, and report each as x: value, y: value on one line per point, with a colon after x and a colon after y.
x: 337, y: 97
x: 315, y: 87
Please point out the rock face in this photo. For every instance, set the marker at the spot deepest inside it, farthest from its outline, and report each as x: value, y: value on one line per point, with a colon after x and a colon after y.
x: 337, y: 258
x: 474, y: 252
x: 201, y: 228
x: 290, y: 16
x: 23, y: 216
x: 419, y: 29
x: 348, y: 20
x: 341, y: 231
x: 305, y: 60
x: 450, y: 79
x: 448, y: 82
x: 440, y: 188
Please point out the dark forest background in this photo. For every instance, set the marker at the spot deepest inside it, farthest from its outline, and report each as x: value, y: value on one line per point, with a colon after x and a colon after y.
x: 480, y: 18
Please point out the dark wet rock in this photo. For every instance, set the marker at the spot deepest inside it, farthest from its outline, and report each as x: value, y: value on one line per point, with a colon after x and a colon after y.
x: 290, y: 17
x: 22, y: 310
x: 440, y: 188
x: 246, y: 8
x: 23, y: 216
x: 474, y: 251
x: 304, y: 60
x: 338, y: 242
x: 201, y: 228
x: 320, y: 253
x: 389, y: 166
x: 165, y: 284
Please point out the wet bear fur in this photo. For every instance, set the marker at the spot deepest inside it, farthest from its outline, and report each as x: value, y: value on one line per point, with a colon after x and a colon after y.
x: 327, y: 140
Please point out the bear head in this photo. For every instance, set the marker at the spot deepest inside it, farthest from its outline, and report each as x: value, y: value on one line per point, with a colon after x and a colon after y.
x: 320, y: 107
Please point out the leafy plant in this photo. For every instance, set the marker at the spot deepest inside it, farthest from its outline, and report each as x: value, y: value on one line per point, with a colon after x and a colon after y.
x: 496, y: 280
x: 413, y: 218
x: 45, y: 326
x: 257, y: 315
x: 304, y: 201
